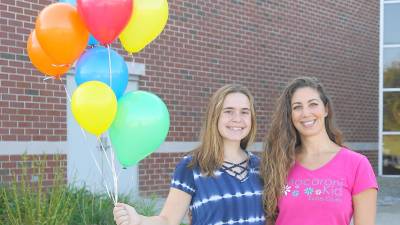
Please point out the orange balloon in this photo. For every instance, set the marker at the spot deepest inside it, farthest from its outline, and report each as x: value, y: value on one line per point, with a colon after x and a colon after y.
x: 61, y: 32
x: 41, y: 61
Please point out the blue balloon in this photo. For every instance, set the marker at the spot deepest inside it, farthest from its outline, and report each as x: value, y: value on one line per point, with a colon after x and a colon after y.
x: 94, y: 65
x: 72, y: 2
x: 92, y: 41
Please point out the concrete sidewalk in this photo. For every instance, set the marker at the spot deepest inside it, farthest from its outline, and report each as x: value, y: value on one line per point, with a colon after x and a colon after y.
x: 388, y: 214
x: 388, y: 211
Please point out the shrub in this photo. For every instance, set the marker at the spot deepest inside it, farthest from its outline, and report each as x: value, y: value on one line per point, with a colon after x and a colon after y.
x: 24, y: 202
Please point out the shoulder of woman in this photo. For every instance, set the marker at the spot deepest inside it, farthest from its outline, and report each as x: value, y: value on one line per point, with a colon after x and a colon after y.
x: 254, y: 159
x: 351, y: 154
x: 185, y: 160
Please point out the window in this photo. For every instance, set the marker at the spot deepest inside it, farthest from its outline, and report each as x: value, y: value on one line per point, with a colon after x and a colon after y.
x: 389, y: 148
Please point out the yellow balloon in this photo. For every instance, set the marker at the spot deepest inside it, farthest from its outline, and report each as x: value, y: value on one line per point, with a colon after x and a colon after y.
x: 94, y: 106
x: 148, y: 20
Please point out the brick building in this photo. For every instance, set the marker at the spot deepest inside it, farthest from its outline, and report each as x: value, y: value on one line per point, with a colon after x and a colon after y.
x: 259, y: 43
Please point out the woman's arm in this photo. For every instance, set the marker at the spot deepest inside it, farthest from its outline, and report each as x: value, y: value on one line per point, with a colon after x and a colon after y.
x: 174, y: 210
x: 365, y: 207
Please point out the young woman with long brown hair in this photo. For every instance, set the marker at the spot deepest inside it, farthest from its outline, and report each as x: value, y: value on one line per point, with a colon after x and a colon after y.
x: 219, y: 181
x: 309, y: 176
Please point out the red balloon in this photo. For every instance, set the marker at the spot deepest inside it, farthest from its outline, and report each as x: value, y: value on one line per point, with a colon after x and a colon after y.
x: 105, y: 19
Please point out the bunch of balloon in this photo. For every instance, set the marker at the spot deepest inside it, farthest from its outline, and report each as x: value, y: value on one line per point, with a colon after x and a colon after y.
x: 101, y: 74
x: 105, y: 19
x: 82, y: 31
x: 141, y: 122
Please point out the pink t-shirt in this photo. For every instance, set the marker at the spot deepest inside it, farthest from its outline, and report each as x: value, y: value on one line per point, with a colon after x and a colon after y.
x: 324, y: 196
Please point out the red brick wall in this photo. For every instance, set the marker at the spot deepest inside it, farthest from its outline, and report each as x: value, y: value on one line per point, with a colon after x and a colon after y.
x: 263, y: 44
x: 155, y: 173
x: 31, y: 109
x: 11, y: 167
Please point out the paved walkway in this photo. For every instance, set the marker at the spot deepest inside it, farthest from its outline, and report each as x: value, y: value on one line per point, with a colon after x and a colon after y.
x: 388, y: 212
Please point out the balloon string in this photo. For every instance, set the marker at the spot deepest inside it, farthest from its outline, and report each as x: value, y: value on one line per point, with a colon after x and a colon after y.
x: 113, y: 171
x: 133, y: 59
x: 105, y: 153
x: 91, y: 151
x: 98, y: 168
x: 115, y: 177
x: 67, y: 93
x: 109, y: 63
x: 47, y: 78
x: 60, y: 65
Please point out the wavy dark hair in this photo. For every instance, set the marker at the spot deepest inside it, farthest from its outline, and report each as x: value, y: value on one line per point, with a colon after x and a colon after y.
x: 283, y: 139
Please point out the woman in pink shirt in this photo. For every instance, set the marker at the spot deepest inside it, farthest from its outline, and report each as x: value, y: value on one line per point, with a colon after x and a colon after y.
x: 310, y: 178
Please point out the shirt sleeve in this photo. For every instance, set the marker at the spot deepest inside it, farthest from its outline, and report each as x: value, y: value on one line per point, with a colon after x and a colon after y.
x: 364, y: 177
x: 182, y: 178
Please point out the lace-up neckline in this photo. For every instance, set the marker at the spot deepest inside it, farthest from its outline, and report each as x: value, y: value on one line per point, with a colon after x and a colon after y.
x: 238, y: 170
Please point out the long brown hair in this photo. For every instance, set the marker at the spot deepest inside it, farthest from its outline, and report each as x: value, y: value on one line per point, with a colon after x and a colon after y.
x: 209, y: 156
x: 283, y: 139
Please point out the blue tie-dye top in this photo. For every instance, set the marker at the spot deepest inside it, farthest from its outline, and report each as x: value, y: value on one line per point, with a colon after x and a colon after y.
x: 221, y: 199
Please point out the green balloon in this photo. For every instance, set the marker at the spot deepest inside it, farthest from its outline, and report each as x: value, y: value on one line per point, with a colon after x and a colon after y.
x: 140, y: 126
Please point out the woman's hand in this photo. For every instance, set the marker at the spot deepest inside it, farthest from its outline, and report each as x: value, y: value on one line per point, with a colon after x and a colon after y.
x: 126, y: 215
